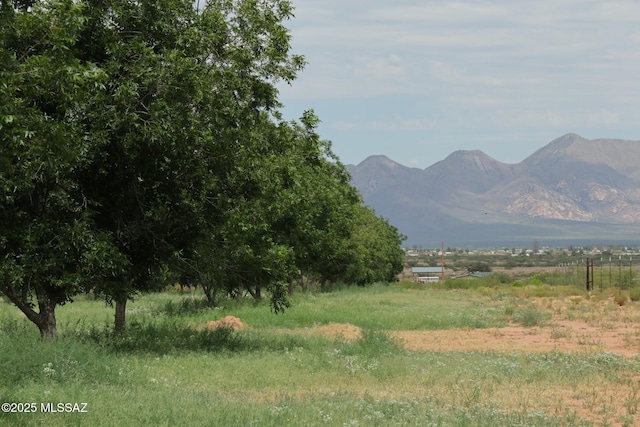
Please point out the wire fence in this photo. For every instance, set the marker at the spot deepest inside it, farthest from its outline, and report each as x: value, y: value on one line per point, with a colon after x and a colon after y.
x: 597, y: 273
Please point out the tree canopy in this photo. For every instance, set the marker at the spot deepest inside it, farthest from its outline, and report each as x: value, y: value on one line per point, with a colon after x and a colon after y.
x: 142, y: 140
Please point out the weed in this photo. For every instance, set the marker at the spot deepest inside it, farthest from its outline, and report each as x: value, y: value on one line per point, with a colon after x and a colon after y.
x: 530, y: 316
x: 509, y: 310
x: 468, y: 391
x: 631, y: 401
x: 559, y: 332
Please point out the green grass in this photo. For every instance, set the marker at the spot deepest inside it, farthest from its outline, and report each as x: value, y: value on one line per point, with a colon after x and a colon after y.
x: 167, y: 371
x: 378, y: 307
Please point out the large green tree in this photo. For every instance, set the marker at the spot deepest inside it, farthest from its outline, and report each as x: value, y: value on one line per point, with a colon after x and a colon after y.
x: 50, y: 247
x: 373, y: 252
x: 140, y: 138
x: 144, y: 109
x: 187, y: 90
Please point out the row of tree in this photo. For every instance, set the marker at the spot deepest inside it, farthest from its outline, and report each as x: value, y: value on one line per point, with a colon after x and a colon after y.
x: 141, y: 144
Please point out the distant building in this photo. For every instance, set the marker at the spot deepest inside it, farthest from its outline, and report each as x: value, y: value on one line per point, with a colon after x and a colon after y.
x: 427, y: 274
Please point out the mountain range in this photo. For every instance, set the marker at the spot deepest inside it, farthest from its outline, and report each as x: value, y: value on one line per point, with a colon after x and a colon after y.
x: 572, y: 191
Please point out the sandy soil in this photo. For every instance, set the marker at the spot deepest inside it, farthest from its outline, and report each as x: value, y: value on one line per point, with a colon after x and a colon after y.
x: 559, y: 335
x: 577, y: 326
x: 600, y: 406
x: 567, y: 336
x: 598, y: 326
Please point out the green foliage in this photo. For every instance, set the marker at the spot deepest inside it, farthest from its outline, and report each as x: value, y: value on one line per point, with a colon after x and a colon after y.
x: 373, y: 250
x: 142, y: 144
x: 479, y: 266
x: 49, y: 242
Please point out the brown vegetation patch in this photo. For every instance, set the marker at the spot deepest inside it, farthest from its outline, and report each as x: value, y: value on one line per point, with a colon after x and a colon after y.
x: 344, y: 331
x: 231, y: 322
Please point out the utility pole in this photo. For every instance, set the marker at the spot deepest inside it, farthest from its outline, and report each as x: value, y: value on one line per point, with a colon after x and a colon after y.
x: 442, y: 260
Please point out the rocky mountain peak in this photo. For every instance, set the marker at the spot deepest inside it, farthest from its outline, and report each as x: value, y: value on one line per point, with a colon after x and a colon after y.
x: 570, y: 187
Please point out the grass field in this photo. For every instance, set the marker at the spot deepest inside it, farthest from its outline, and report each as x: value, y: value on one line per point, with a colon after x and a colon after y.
x: 345, y: 358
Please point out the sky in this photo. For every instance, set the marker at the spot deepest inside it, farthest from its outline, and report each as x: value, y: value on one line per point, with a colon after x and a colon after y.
x: 416, y: 80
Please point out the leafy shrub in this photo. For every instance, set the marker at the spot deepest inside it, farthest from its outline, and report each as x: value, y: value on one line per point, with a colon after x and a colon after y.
x: 503, y: 278
x: 535, y: 281
x: 479, y: 266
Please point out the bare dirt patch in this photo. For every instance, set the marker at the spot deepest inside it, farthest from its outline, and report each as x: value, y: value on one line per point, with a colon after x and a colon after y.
x: 561, y: 335
x: 578, y: 325
x: 340, y: 331
x: 603, y: 327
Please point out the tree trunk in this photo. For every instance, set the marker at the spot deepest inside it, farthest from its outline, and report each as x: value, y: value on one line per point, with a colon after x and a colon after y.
x: 210, y: 292
x: 303, y: 285
x: 257, y: 294
x: 290, y: 288
x: 120, y: 317
x: 46, y: 320
x: 240, y: 293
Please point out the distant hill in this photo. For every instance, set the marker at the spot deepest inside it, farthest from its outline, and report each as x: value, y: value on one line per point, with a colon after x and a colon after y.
x: 570, y: 191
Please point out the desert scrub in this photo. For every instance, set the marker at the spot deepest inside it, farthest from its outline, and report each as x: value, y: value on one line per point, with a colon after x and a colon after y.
x: 531, y: 316
x: 621, y: 299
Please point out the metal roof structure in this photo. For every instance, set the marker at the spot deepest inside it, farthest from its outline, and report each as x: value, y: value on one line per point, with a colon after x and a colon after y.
x: 418, y: 270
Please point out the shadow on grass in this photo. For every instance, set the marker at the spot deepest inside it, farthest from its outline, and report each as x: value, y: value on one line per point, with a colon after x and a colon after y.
x: 186, y: 306
x: 170, y: 337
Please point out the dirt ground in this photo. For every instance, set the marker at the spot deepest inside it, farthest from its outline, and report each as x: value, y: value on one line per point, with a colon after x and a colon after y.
x: 566, y: 336
x: 577, y: 325
x: 599, y: 327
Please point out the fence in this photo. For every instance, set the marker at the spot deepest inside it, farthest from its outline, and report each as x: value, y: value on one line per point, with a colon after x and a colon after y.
x: 597, y: 273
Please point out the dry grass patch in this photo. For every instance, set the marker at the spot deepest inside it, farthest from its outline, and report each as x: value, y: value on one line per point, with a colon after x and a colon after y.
x: 230, y: 322
x: 339, y: 331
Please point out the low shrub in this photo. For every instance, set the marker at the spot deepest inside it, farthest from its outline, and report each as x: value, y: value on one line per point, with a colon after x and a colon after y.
x: 530, y: 316
x: 621, y: 299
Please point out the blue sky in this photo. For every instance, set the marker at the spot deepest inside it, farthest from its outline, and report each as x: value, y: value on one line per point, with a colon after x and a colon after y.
x: 417, y: 80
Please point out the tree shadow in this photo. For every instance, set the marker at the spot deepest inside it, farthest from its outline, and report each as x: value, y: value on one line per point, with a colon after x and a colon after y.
x: 167, y: 337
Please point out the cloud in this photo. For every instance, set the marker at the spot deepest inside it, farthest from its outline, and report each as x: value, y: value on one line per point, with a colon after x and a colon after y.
x: 387, y: 67
x: 490, y: 67
x: 397, y: 123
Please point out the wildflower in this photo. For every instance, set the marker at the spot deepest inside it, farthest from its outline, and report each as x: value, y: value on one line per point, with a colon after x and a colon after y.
x: 48, y: 370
